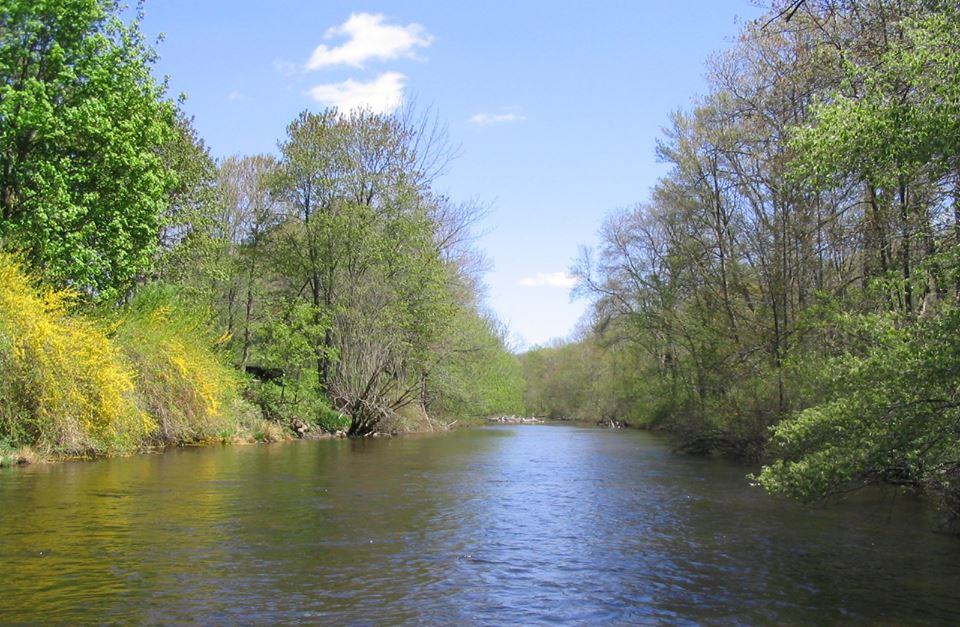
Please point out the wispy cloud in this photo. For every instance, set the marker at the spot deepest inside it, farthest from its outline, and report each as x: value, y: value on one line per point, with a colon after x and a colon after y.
x: 369, y: 37
x: 235, y: 95
x: 285, y: 68
x: 381, y: 95
x: 548, y: 279
x: 489, y: 119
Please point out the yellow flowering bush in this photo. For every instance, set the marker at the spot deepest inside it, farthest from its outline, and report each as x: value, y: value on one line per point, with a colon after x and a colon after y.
x: 180, y: 379
x: 64, y: 386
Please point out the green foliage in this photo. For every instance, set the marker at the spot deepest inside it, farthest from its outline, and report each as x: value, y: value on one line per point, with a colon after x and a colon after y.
x: 893, y: 117
x: 7, y: 454
x: 478, y: 376
x: 182, y: 380
x: 558, y: 381
x: 285, y: 403
x: 885, y: 409
x: 892, y: 412
x: 357, y: 246
x: 289, y: 338
x: 335, y: 265
x: 83, y: 184
x: 797, y: 267
x: 579, y: 380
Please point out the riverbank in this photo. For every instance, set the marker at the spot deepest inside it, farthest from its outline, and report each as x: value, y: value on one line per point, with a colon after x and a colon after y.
x: 26, y: 455
x: 515, y: 420
x: 245, y: 433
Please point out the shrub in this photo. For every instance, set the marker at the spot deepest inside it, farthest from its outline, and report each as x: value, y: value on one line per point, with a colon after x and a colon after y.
x: 181, y: 379
x: 891, y: 413
x: 284, y: 403
x: 65, y: 387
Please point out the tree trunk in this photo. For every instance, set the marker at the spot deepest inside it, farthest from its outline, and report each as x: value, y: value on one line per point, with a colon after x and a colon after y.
x: 905, y: 246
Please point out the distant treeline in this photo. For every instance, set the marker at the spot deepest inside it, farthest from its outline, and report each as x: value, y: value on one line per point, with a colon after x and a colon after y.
x: 140, y: 279
x: 789, y: 291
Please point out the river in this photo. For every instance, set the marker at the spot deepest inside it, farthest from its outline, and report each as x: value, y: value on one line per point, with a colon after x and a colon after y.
x: 495, y: 525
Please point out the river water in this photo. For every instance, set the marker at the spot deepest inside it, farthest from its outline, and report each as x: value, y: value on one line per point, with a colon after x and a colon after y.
x: 497, y: 525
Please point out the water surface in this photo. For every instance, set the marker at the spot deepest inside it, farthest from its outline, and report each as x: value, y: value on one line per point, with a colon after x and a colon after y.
x: 514, y: 524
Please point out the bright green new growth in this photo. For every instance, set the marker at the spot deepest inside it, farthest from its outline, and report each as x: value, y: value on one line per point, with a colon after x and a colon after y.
x: 337, y: 271
x: 893, y: 414
x: 890, y: 396
x: 83, y: 183
x: 334, y: 269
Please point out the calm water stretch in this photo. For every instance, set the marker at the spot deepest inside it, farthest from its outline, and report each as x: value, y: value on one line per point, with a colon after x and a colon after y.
x: 517, y: 524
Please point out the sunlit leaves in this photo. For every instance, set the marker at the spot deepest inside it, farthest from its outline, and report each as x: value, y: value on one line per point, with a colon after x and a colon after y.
x: 83, y: 185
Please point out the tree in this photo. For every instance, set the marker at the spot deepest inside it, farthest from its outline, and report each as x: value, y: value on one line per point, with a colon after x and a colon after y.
x: 887, y: 373
x: 83, y: 184
x: 358, y: 243
x: 817, y: 173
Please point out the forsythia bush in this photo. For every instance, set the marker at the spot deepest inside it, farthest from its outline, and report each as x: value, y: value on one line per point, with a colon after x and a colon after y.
x: 181, y: 381
x: 64, y: 386
x: 76, y: 385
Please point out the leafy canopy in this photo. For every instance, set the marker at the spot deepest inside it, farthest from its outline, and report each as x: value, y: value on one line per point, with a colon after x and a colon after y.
x: 83, y: 184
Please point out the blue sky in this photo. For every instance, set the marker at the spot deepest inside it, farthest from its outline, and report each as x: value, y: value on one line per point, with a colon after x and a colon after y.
x: 556, y: 105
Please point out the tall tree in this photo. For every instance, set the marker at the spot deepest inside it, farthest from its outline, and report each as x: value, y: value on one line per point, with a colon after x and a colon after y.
x: 83, y: 184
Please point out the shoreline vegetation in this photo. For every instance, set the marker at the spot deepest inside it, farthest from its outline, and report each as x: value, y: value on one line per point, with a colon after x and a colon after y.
x: 153, y: 296
x: 789, y: 292
x: 147, y: 377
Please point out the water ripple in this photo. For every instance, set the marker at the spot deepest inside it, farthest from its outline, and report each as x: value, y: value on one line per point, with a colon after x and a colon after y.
x: 520, y: 524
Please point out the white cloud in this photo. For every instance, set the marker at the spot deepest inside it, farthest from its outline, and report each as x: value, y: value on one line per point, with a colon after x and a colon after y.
x: 381, y: 95
x: 489, y: 119
x: 235, y: 95
x: 369, y: 38
x: 285, y: 68
x: 551, y: 279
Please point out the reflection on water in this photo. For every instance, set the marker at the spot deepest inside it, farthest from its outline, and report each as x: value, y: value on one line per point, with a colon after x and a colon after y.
x: 495, y: 525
